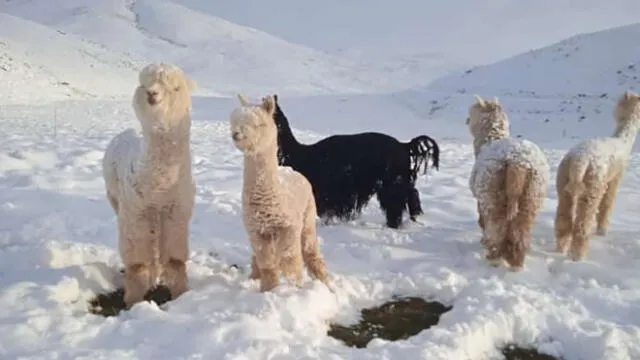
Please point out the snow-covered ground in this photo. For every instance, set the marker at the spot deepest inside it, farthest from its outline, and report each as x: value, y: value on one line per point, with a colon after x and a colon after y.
x: 67, y: 72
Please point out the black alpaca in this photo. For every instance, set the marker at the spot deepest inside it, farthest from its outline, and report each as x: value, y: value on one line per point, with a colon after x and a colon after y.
x: 346, y: 170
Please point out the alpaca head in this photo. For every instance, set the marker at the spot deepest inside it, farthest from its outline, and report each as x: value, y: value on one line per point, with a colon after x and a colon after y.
x: 487, y: 118
x: 252, y: 126
x: 627, y: 110
x: 163, y: 96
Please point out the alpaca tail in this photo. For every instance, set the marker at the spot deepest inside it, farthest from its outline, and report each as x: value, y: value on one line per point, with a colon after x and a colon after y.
x: 576, y: 173
x: 422, y: 149
x: 517, y: 179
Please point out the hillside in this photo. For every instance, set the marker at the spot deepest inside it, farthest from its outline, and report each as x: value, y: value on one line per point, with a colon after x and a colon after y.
x: 55, y: 65
x: 562, y: 91
x: 222, y: 56
x: 432, y: 37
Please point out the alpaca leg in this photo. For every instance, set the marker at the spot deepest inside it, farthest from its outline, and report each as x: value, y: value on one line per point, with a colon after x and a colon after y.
x: 174, y: 246
x: 176, y: 277
x: 481, y: 224
x: 265, y: 250
x: 291, y: 267
x: 413, y: 201
x: 137, y: 281
x: 393, y: 199
x: 519, y: 232
x: 311, y: 255
x: 586, y: 209
x: 137, y: 238
x: 494, y: 239
x: 113, y: 201
x: 606, y: 205
x: 255, y: 272
x: 290, y: 264
x: 564, y: 221
x: 493, y: 213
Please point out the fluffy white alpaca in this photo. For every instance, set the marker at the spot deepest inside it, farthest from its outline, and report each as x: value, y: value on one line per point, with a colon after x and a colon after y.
x: 279, y: 210
x: 509, y: 181
x: 588, y: 179
x: 149, y: 184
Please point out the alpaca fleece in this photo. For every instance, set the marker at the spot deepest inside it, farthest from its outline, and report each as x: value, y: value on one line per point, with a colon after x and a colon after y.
x: 509, y: 180
x: 347, y: 170
x: 149, y: 184
x: 588, y: 179
x: 279, y: 211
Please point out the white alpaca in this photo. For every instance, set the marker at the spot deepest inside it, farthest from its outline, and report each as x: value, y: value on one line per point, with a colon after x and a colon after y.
x: 150, y: 186
x: 588, y: 179
x: 509, y: 181
x: 279, y: 210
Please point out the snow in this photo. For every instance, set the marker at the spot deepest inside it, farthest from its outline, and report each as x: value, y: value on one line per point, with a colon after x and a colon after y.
x: 338, y: 68
x: 493, y: 156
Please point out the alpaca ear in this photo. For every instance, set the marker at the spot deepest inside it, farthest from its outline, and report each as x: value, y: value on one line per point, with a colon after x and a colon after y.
x: 496, y: 101
x: 192, y: 84
x: 629, y: 94
x: 243, y: 100
x: 479, y: 100
x: 275, y: 98
x: 269, y: 104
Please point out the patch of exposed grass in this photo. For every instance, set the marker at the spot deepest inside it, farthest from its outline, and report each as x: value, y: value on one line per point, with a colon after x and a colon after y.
x: 514, y: 352
x: 393, y: 320
x: 112, y: 303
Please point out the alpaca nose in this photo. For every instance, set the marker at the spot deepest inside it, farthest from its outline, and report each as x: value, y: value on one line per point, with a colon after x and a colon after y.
x: 151, y: 97
x: 235, y: 135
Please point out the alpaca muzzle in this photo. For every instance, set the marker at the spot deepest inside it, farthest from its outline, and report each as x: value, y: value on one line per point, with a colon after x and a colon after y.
x: 152, y: 97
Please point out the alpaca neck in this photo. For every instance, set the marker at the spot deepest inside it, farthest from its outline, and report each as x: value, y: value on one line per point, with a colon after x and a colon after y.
x: 480, y: 141
x: 261, y: 173
x: 166, y: 157
x: 626, y: 132
x: 286, y: 140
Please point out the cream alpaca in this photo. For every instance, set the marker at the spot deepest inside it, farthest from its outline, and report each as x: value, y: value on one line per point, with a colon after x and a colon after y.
x: 588, y: 179
x: 509, y: 181
x: 279, y: 210
x: 150, y: 186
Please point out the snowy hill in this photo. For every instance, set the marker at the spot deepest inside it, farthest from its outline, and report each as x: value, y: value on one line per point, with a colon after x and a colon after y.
x: 68, y: 69
x: 566, y: 89
x: 221, y: 56
x: 55, y: 65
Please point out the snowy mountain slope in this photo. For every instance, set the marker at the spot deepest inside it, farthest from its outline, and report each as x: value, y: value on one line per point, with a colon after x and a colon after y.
x: 564, y: 91
x: 222, y: 56
x: 600, y: 62
x: 431, y: 37
x: 39, y: 64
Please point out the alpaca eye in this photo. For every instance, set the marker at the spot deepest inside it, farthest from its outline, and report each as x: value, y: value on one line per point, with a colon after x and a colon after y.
x: 177, y: 88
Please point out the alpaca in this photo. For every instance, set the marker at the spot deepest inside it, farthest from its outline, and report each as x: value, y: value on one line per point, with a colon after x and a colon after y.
x: 346, y: 170
x: 149, y: 184
x: 279, y: 211
x: 588, y: 179
x: 509, y: 181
